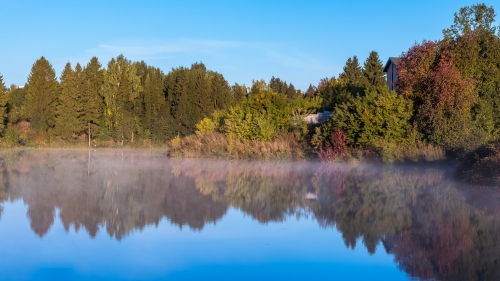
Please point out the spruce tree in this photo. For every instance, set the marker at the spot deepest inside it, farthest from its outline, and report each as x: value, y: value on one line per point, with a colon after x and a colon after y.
x: 201, y: 100
x: 278, y: 86
x: 152, y: 96
x: 353, y: 76
x: 3, y: 105
x: 311, y: 91
x: 374, y: 72
x: 69, y: 107
x: 92, y: 104
x: 41, y: 96
x: 291, y: 92
x: 108, y: 92
x: 127, y: 113
x: 220, y: 92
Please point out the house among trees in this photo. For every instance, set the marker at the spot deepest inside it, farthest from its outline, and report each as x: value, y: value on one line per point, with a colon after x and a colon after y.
x: 392, y: 72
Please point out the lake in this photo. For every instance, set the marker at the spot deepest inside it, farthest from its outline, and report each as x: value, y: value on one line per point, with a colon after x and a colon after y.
x: 140, y: 215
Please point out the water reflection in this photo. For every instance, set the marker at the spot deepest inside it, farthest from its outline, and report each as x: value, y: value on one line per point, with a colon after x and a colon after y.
x: 434, y: 228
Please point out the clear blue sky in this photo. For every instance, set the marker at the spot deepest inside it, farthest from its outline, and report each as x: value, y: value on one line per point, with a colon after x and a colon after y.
x: 298, y: 41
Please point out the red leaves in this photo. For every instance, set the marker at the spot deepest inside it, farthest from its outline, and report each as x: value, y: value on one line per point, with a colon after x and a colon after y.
x: 446, y: 86
x: 428, y: 74
x: 414, y: 67
x: 335, y: 149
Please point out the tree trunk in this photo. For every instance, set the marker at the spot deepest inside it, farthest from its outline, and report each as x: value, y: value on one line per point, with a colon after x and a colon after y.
x: 89, y: 133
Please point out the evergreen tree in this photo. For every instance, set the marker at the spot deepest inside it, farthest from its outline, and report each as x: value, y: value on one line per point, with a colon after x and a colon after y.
x: 311, y: 91
x: 153, y: 99
x: 3, y: 104
x: 353, y: 76
x: 291, y: 92
x: 41, y: 96
x: 108, y: 92
x: 279, y: 86
x: 176, y: 94
x: 333, y: 92
x: 127, y: 113
x: 69, y: 106
x: 239, y: 92
x: 17, y: 96
x: 91, y: 101
x: 193, y: 94
x: 220, y: 91
x: 374, y: 72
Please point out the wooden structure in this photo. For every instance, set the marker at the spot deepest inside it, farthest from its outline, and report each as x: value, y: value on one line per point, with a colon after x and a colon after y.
x: 392, y: 72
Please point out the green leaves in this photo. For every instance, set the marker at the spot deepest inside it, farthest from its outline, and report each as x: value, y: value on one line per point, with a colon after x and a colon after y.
x: 3, y: 104
x: 380, y: 114
x: 475, y: 18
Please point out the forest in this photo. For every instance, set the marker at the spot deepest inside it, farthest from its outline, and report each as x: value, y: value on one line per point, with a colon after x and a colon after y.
x: 446, y: 103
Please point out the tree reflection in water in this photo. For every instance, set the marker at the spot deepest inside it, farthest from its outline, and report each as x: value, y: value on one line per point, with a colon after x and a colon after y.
x: 434, y: 227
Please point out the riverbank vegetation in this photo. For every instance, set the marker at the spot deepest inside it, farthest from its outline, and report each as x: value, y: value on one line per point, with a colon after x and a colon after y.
x: 446, y: 104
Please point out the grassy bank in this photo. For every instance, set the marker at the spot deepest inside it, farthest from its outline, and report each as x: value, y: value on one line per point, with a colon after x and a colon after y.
x: 217, y: 145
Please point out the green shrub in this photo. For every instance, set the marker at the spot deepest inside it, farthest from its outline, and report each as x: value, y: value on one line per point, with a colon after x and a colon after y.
x: 379, y: 115
x: 11, y: 137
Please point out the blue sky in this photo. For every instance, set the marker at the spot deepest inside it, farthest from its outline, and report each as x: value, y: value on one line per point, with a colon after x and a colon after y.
x: 298, y: 41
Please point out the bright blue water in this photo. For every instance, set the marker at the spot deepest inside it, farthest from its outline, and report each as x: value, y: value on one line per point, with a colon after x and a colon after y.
x: 236, y: 247
x: 163, y: 219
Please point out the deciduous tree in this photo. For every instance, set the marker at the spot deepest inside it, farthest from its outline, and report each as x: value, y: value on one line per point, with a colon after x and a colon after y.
x: 3, y: 105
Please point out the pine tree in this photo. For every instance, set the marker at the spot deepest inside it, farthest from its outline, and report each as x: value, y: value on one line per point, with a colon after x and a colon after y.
x: 92, y: 103
x: 3, y: 105
x: 374, y: 72
x: 41, y: 97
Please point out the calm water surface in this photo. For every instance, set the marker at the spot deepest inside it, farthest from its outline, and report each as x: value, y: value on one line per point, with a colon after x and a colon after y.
x: 139, y: 215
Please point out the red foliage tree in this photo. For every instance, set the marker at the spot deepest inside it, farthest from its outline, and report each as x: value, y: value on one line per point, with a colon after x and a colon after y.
x: 334, y: 149
x: 442, y: 97
x: 446, y: 87
x: 427, y: 73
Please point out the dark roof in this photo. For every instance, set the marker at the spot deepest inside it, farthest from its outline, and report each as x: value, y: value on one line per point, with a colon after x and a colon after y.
x: 394, y: 60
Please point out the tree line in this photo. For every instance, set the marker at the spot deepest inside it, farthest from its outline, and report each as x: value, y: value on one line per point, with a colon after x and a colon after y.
x: 124, y: 101
x: 447, y: 100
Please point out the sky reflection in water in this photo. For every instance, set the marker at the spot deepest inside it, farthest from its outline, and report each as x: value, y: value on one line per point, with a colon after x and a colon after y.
x: 136, y: 215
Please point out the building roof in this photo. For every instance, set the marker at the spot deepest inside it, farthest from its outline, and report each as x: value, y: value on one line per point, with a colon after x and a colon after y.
x: 394, y: 60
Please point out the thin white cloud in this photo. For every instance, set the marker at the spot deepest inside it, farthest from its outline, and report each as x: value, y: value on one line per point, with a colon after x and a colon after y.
x: 297, y: 60
x: 239, y: 60
x: 135, y: 48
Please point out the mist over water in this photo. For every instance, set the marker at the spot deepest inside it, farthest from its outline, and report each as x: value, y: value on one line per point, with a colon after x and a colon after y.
x: 135, y: 215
